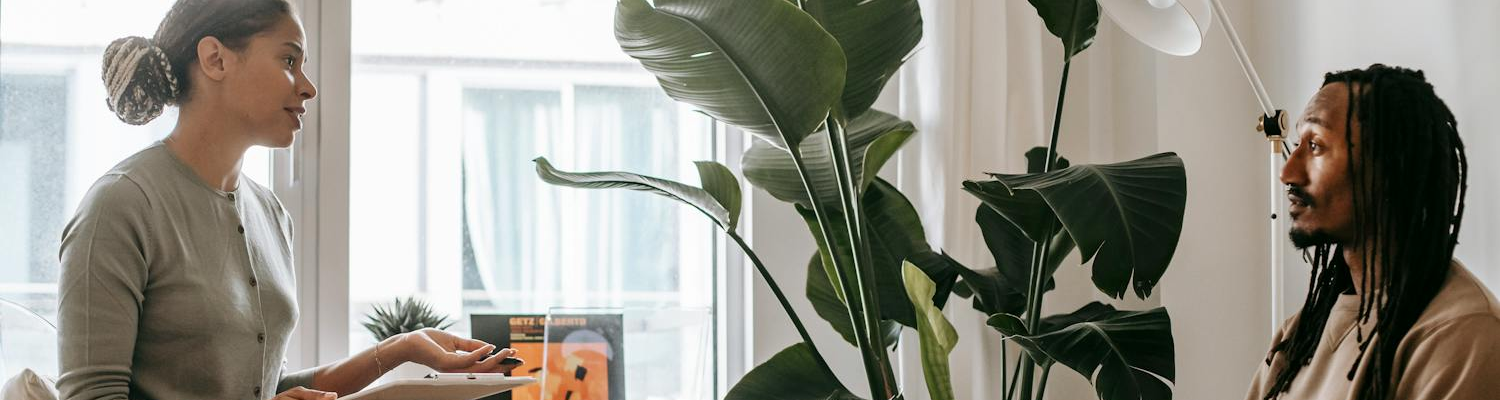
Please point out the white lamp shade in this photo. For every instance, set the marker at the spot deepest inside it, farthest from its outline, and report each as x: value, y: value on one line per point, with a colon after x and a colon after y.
x: 1177, y: 30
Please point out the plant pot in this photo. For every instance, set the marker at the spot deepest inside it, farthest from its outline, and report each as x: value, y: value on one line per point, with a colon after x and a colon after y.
x: 404, y: 371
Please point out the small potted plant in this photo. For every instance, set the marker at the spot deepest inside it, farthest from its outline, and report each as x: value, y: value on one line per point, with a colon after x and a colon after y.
x: 403, y: 316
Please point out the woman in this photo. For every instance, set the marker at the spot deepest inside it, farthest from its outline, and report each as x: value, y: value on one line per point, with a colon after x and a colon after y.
x: 177, y: 275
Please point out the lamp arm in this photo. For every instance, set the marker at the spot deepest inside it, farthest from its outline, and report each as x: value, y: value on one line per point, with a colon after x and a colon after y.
x: 1239, y: 53
x: 1273, y: 124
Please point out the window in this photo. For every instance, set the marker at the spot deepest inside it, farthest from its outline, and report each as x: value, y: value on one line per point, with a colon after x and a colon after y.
x: 57, y: 135
x: 446, y: 116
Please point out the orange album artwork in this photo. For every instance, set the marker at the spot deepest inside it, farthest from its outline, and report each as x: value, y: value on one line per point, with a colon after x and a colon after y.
x: 583, y: 361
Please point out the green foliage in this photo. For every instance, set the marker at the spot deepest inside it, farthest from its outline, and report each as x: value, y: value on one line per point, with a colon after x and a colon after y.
x: 1127, y: 355
x: 762, y: 65
x: 800, y: 77
x: 1073, y: 21
x: 793, y: 373
x: 402, y: 316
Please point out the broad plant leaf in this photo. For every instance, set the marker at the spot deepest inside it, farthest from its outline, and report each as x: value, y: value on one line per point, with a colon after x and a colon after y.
x: 1027, y: 210
x: 876, y: 35
x: 1125, y: 217
x: 1127, y: 355
x: 826, y: 302
x: 936, y: 334
x: 792, y: 374
x: 762, y: 65
x: 722, y: 205
x: 1003, y: 289
x: 873, y: 138
x: 1072, y: 21
x: 896, y: 235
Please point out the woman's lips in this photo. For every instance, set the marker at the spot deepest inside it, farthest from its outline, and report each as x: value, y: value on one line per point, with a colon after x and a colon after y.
x: 296, y: 114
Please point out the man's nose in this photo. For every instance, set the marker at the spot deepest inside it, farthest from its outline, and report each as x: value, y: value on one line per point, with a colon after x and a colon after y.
x: 1294, y: 172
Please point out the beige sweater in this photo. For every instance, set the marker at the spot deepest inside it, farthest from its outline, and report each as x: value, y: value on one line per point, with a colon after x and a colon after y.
x: 1451, y: 353
x: 172, y: 289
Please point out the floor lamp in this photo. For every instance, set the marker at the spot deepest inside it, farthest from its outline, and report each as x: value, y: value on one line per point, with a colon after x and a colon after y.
x: 1177, y: 27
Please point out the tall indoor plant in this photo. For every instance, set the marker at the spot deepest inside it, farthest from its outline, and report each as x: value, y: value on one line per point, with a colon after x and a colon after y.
x: 800, y: 77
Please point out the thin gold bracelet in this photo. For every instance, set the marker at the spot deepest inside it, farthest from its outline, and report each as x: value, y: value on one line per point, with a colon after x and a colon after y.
x: 379, y: 369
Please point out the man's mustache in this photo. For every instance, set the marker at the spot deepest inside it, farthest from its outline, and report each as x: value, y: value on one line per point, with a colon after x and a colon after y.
x: 1298, y: 194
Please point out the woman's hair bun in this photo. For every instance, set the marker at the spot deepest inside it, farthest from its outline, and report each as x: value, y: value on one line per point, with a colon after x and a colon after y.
x: 138, y: 79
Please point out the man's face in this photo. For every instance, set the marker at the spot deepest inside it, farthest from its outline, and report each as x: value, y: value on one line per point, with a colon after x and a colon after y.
x: 1317, y: 174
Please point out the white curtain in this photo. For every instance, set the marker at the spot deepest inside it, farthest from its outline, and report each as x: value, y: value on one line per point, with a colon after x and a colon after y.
x: 981, y: 89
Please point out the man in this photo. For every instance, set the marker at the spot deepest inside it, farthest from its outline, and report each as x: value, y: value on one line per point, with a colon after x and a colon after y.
x: 1376, y: 186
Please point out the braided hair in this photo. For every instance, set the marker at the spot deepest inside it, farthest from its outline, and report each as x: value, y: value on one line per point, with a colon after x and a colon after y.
x: 1408, y: 190
x: 144, y: 75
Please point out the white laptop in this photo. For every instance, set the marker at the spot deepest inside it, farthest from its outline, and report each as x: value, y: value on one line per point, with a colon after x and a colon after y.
x: 442, y: 387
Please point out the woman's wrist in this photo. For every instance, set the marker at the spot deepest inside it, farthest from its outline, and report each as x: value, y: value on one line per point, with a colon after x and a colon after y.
x: 393, y: 351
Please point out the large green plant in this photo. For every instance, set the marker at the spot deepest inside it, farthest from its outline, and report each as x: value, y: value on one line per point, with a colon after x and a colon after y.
x: 801, y: 77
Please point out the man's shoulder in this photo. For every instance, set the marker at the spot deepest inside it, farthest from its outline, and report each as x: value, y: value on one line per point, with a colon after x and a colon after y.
x: 1463, y: 302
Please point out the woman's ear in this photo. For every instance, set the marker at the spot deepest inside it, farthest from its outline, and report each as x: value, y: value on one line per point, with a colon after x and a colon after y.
x: 213, y: 58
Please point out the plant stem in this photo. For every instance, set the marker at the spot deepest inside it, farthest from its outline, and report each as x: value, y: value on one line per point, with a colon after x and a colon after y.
x: 1039, y: 248
x: 871, y: 355
x: 1014, y: 375
x: 864, y: 267
x: 1057, y: 118
x: 1041, y: 388
x: 1004, y: 385
x: 780, y: 297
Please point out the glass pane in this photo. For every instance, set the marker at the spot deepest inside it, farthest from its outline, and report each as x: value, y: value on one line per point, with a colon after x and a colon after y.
x: 57, y: 136
x: 447, y: 117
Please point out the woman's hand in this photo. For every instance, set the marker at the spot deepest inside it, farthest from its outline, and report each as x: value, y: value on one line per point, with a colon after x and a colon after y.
x: 446, y: 352
x: 301, y: 393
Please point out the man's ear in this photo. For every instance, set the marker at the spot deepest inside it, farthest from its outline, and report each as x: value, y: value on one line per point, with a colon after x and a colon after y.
x: 213, y: 58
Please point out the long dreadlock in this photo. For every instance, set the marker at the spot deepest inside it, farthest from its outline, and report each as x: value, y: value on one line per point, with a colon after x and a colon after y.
x: 1408, y: 188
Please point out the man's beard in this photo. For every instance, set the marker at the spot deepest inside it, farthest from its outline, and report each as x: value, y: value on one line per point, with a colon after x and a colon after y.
x: 1304, y: 239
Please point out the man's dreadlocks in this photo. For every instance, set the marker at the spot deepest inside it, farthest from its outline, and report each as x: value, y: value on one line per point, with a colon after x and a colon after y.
x: 1408, y: 186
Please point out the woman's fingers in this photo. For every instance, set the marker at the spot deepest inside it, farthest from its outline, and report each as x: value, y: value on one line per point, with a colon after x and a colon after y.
x: 492, y: 364
x: 467, y: 344
x: 302, y: 393
x: 449, y: 361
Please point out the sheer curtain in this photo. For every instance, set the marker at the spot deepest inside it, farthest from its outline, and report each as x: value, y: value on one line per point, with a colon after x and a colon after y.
x: 529, y: 245
x: 981, y: 89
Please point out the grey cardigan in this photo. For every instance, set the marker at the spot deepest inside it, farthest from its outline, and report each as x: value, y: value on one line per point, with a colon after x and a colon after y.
x: 171, y: 289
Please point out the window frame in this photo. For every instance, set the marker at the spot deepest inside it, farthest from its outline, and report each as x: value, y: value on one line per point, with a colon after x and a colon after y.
x: 312, y: 179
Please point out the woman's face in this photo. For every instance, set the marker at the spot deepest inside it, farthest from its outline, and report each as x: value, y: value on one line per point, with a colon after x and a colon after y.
x: 269, y: 91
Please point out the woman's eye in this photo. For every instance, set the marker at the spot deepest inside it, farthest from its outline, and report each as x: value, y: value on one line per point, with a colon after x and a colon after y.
x: 290, y: 61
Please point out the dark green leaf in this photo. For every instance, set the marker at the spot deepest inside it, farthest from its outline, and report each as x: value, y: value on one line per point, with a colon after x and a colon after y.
x: 873, y: 138
x: 792, y: 374
x: 896, y: 235
x: 827, y: 304
x: 1073, y: 21
x: 762, y: 65
x: 876, y: 36
x: 1127, y: 355
x: 1125, y: 217
x: 704, y: 201
x: 1038, y: 155
x: 1027, y: 210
